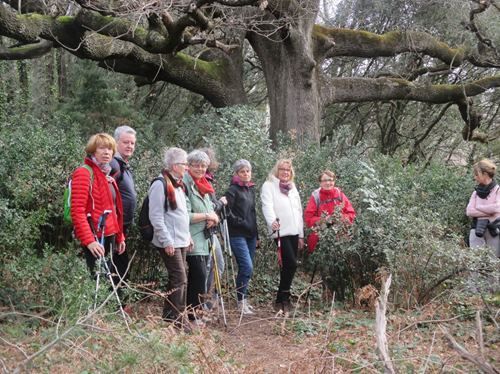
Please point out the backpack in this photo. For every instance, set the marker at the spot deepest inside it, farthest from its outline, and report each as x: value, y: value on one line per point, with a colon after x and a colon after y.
x: 67, y: 196
x: 317, y: 200
x: 145, y: 227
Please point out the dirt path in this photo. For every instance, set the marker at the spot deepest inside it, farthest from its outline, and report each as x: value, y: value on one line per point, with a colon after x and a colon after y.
x: 263, y: 343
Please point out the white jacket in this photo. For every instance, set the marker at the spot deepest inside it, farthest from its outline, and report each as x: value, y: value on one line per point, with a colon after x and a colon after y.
x: 287, y: 208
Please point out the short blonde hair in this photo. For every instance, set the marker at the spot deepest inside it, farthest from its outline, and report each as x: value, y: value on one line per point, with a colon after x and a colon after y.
x: 100, y: 140
x: 485, y: 166
x: 279, y: 163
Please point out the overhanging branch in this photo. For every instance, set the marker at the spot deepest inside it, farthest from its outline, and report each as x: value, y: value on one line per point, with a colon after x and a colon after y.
x: 341, y: 90
x: 26, y: 52
x: 359, y: 43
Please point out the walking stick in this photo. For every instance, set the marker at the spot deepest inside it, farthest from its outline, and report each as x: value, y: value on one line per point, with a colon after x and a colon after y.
x: 280, y: 254
x: 102, y: 265
x: 310, y: 284
x: 227, y: 246
x: 218, y: 287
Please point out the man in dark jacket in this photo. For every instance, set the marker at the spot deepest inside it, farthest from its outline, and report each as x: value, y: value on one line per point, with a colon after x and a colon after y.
x: 125, y: 144
x: 121, y: 172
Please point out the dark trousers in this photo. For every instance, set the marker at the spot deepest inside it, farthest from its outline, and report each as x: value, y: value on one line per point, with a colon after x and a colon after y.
x: 289, y: 252
x: 117, y: 263
x: 197, y: 280
x: 175, y: 301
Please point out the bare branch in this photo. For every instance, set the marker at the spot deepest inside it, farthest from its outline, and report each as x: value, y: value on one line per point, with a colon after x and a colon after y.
x: 340, y: 90
x: 381, y: 324
x: 478, y: 361
x: 484, y: 43
x: 359, y: 43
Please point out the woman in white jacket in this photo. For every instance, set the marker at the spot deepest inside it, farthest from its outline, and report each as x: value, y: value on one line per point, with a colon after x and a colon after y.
x: 282, y: 211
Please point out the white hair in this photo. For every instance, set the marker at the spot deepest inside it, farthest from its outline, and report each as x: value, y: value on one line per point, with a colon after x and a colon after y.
x: 174, y: 156
x: 123, y: 130
x: 198, y: 157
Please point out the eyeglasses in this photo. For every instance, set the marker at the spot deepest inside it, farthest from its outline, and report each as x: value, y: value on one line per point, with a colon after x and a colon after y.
x: 287, y: 170
x: 328, y: 180
x: 182, y: 163
x: 198, y: 166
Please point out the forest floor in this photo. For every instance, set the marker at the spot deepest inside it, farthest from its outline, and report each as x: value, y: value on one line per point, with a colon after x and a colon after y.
x: 337, y: 339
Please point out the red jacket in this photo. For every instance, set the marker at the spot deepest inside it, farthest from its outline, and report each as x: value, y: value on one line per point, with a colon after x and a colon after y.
x: 95, y: 201
x: 328, y: 200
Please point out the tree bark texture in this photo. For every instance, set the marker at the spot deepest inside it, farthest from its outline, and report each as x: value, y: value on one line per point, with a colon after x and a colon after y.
x: 291, y: 48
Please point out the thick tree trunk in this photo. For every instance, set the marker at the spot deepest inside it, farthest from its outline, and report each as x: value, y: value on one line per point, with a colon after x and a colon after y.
x: 291, y: 77
x: 292, y: 91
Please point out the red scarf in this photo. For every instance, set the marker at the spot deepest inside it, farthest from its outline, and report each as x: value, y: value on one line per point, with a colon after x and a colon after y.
x: 171, y: 184
x: 203, y: 186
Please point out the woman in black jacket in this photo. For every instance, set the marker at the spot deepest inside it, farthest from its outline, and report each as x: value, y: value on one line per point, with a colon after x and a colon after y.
x: 242, y: 226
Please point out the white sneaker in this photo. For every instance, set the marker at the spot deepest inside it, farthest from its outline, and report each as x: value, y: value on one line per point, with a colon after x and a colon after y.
x: 244, y: 307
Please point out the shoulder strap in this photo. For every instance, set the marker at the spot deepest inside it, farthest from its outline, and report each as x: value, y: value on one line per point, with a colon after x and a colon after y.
x: 316, y: 198
x: 318, y: 202
x: 164, y: 182
x: 89, y: 168
x: 90, y: 171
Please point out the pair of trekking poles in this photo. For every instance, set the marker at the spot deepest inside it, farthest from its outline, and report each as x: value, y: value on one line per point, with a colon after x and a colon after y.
x: 223, y: 228
x: 102, y: 266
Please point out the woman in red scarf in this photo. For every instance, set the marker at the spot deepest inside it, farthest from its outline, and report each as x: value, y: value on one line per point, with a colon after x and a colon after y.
x: 94, y: 192
x: 322, y: 204
x: 202, y: 219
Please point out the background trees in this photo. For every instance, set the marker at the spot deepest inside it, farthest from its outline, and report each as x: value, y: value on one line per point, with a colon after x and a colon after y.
x: 398, y: 51
x: 390, y: 104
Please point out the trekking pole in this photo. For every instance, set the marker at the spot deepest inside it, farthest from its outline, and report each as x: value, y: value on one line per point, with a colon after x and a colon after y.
x: 99, y: 267
x: 227, y: 246
x: 218, y: 287
x: 103, y: 265
x: 280, y: 254
x: 310, y: 284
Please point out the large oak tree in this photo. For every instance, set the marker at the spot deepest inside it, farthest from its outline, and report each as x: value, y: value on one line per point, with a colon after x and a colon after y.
x: 199, y: 45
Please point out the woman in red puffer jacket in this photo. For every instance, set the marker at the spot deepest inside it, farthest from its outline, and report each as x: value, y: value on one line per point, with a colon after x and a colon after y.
x: 328, y: 196
x: 92, y: 194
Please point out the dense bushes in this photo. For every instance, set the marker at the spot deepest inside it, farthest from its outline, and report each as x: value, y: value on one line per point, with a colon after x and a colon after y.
x: 410, y: 220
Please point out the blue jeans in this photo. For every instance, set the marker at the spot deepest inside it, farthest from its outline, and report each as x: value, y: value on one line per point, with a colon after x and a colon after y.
x: 244, y: 252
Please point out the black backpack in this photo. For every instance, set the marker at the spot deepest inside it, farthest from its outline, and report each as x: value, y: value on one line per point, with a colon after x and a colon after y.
x: 145, y: 227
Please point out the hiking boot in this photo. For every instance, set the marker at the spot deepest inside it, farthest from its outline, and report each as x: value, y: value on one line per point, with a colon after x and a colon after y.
x: 287, y: 306
x: 243, y: 307
x: 249, y: 306
x: 197, y: 324
x: 283, y: 305
x: 278, y: 306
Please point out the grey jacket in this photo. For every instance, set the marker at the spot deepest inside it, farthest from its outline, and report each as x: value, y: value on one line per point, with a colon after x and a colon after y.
x: 171, y: 227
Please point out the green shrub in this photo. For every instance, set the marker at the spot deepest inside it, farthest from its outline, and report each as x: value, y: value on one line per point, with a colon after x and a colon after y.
x: 410, y: 222
x: 55, y: 282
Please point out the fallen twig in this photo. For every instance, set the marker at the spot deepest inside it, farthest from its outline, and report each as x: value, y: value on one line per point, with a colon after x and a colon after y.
x: 478, y: 361
x: 381, y: 324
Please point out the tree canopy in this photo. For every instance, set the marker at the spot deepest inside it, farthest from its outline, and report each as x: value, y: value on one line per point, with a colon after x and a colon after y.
x: 200, y: 46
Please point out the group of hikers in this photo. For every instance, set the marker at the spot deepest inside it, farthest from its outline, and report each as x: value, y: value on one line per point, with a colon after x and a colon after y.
x: 184, y: 212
